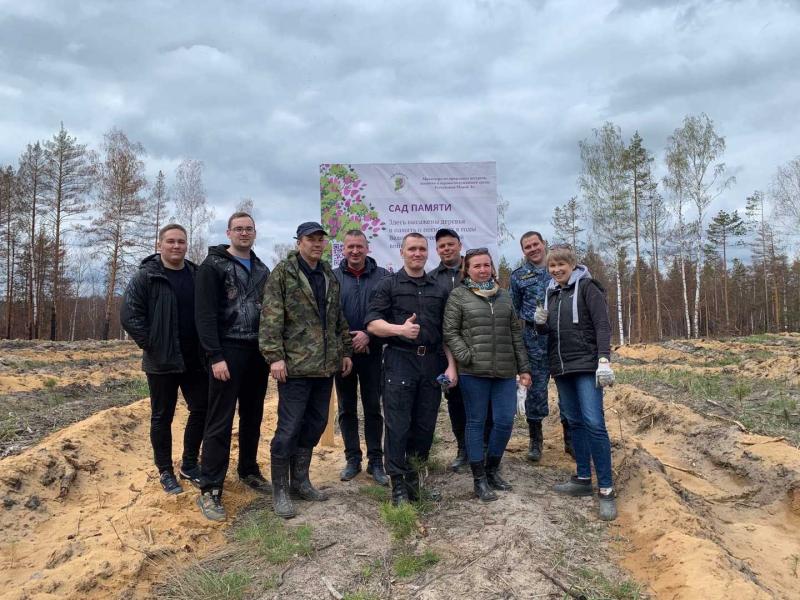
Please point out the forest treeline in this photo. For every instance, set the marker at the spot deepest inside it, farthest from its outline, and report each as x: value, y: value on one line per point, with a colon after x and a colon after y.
x: 672, y: 263
x: 76, y: 221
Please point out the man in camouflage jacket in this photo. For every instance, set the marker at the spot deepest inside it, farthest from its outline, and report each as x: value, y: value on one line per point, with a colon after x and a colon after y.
x: 305, y: 338
x: 528, y: 288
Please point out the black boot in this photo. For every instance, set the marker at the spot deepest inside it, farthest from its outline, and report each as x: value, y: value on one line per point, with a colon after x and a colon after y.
x: 460, y: 460
x: 496, y: 482
x: 568, y: 439
x: 481, y: 486
x: 399, y: 491
x: 281, y: 502
x: 536, y: 440
x: 412, y: 485
x: 300, y: 483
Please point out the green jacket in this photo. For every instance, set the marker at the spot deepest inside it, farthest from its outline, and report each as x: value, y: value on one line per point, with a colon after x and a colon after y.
x: 291, y: 329
x: 484, y: 336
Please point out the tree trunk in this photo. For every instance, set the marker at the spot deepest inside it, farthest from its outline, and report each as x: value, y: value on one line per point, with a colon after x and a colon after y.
x: 697, y: 289
x: 685, y: 297
x: 619, y: 309
x: 655, y: 283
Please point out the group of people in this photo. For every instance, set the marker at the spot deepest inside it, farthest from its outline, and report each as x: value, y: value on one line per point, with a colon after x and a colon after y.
x: 398, y: 341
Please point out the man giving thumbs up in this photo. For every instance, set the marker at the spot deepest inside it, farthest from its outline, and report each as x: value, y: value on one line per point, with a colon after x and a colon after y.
x: 407, y: 310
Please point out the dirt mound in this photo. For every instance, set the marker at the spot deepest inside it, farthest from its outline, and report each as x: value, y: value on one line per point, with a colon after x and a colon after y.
x: 84, y: 514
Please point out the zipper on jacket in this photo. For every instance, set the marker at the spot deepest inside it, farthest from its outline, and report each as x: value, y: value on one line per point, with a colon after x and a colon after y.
x: 558, y: 332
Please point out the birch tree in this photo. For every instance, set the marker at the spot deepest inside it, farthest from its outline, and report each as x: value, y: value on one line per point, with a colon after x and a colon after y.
x: 786, y: 195
x: 655, y: 220
x: 693, y: 153
x: 31, y: 181
x: 117, y: 233
x: 604, y: 184
x: 191, y: 207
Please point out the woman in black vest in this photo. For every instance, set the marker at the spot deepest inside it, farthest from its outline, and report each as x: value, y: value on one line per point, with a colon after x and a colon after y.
x: 575, y: 316
x: 484, y: 336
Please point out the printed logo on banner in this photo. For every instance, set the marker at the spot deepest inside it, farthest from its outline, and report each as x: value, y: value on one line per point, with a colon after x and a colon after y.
x: 399, y: 181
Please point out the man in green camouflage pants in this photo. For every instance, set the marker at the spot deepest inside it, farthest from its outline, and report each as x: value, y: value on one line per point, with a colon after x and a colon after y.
x: 305, y: 339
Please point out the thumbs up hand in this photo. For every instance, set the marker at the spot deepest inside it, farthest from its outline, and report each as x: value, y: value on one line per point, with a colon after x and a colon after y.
x: 410, y: 328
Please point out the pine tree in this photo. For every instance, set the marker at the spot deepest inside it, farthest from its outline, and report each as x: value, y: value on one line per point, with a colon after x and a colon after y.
x: 724, y: 228
x: 566, y: 222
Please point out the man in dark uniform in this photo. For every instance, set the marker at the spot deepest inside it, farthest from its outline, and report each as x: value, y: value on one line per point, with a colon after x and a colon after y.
x: 358, y: 275
x: 229, y: 286
x: 407, y: 310
x: 528, y: 285
x: 158, y: 313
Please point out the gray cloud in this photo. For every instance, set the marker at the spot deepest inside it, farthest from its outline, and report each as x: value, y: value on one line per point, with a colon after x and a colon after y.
x: 265, y: 92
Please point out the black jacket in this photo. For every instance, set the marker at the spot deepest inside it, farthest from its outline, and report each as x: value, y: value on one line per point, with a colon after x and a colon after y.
x: 445, y: 277
x: 228, y: 301
x: 149, y: 313
x: 578, y: 325
x: 356, y: 295
x: 398, y: 296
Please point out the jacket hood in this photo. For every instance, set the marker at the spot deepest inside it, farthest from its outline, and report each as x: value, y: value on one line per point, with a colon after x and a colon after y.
x: 222, y: 250
x: 369, y: 265
x: 579, y: 272
x: 153, y: 265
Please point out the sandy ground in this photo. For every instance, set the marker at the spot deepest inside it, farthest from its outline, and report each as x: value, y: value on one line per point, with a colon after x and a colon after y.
x: 706, y: 511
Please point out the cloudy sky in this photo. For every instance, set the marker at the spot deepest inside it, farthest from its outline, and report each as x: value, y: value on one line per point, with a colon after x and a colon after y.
x: 265, y: 91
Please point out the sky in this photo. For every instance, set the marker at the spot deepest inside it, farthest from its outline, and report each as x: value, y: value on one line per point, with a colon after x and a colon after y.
x: 263, y: 92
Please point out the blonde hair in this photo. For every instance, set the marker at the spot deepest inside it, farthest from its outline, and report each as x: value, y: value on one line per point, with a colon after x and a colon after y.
x: 562, y: 252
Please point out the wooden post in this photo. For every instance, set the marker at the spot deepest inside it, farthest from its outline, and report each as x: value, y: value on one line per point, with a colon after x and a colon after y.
x: 327, y: 435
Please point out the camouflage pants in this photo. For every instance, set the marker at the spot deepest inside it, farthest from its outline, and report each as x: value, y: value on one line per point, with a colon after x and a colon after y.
x: 536, y: 407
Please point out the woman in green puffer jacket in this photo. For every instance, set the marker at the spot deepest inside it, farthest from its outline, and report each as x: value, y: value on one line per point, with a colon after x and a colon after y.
x: 483, y: 333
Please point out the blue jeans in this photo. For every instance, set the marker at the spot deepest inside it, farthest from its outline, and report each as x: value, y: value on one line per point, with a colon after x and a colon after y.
x: 479, y: 393
x: 582, y: 405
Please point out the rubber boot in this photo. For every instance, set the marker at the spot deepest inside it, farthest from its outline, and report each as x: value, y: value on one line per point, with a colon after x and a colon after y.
x: 399, y: 490
x: 300, y: 483
x: 568, y: 439
x: 574, y: 487
x: 481, y: 486
x: 608, y: 506
x: 460, y: 460
x: 281, y: 502
x: 536, y: 441
x: 496, y: 482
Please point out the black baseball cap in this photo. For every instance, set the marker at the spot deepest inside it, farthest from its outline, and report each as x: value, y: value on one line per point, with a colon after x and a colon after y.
x: 308, y: 228
x: 446, y: 232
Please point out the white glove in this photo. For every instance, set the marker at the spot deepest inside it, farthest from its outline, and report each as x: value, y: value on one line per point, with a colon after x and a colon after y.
x: 522, y: 393
x: 604, y: 376
x: 540, y: 316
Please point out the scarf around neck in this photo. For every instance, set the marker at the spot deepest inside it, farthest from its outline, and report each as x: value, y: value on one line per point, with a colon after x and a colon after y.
x: 486, y: 289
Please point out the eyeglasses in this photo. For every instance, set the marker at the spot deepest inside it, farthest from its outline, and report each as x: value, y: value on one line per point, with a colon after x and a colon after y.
x: 241, y: 230
x: 474, y: 251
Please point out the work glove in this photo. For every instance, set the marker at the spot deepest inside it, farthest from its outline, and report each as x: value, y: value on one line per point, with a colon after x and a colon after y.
x: 604, y: 376
x: 540, y: 316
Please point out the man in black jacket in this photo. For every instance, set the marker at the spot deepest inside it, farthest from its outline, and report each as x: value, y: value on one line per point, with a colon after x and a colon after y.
x: 448, y: 275
x: 407, y: 310
x: 230, y: 285
x: 158, y: 313
x: 358, y: 274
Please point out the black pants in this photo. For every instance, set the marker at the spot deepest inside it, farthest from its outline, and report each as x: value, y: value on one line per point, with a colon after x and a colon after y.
x: 163, y: 398
x: 248, y: 384
x: 303, y: 404
x: 366, y: 374
x: 411, y: 399
x: 458, y: 417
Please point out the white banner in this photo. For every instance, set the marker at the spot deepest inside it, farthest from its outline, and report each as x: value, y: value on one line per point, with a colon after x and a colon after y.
x: 387, y: 201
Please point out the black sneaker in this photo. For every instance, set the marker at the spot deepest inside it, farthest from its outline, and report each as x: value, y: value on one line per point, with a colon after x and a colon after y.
x: 190, y: 474
x: 257, y: 482
x: 169, y: 483
x: 210, y: 504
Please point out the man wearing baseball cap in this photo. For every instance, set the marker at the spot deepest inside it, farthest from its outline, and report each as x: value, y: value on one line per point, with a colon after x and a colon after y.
x: 305, y: 338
